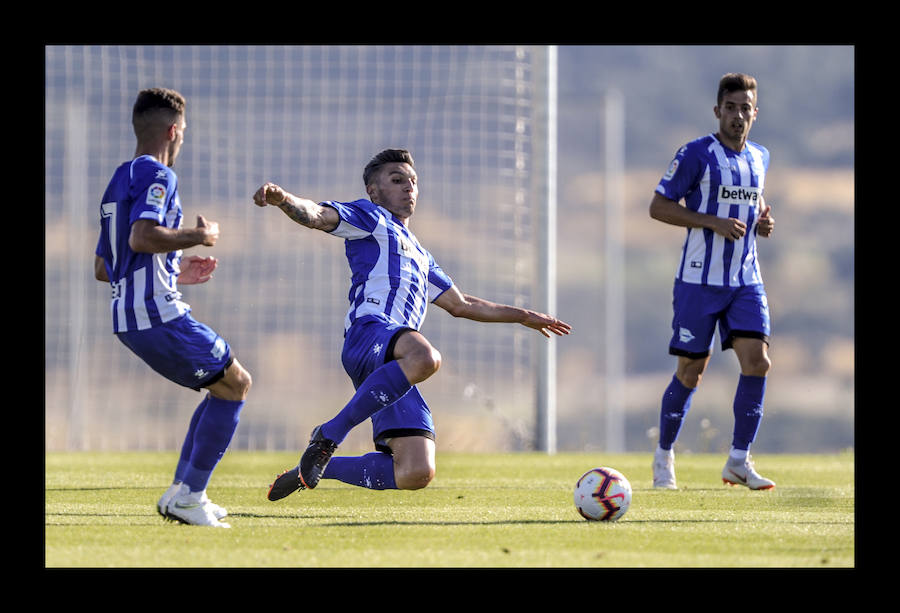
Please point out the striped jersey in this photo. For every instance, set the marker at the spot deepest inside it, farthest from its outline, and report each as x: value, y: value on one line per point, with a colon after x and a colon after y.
x: 392, y: 276
x: 715, y: 180
x: 144, y: 291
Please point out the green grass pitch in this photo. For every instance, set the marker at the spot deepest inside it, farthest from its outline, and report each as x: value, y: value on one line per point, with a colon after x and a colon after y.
x: 482, y: 511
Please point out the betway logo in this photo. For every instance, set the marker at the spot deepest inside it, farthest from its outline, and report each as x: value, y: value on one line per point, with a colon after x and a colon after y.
x: 730, y: 194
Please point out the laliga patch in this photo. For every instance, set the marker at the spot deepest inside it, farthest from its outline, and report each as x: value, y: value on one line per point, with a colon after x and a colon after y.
x: 673, y: 168
x: 156, y: 195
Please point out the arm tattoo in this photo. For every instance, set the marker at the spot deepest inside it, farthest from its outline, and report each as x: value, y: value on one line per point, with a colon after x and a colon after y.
x: 301, y: 214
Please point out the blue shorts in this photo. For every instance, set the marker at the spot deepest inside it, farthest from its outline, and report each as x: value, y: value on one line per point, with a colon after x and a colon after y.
x: 738, y: 312
x: 183, y: 350
x: 369, y: 344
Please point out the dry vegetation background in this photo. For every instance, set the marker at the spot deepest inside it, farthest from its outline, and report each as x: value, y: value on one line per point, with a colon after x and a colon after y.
x: 808, y: 267
x: 808, y: 270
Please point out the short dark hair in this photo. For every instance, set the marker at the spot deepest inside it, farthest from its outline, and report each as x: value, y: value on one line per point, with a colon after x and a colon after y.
x: 388, y: 156
x: 154, y: 104
x: 736, y: 82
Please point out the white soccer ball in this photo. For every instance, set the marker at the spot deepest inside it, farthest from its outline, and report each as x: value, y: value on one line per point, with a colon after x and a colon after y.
x: 602, y: 494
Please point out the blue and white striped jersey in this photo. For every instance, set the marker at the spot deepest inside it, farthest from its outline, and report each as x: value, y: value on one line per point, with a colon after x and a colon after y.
x: 144, y: 291
x: 715, y: 180
x: 392, y: 275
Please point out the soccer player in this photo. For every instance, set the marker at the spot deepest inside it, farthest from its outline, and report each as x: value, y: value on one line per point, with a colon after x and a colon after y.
x: 393, y: 280
x: 720, y: 177
x: 140, y: 254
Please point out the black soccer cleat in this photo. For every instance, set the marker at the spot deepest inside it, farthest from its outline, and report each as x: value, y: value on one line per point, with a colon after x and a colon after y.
x: 286, y: 483
x: 315, y: 458
x: 308, y: 472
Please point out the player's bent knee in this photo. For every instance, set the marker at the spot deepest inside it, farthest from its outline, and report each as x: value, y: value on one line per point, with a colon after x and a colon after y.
x: 235, y: 385
x: 424, y: 364
x: 759, y: 366
x: 433, y: 362
x: 241, y: 381
x: 414, y: 478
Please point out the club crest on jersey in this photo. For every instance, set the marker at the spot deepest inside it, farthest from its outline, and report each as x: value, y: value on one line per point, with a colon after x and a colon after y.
x: 738, y: 194
x: 156, y: 195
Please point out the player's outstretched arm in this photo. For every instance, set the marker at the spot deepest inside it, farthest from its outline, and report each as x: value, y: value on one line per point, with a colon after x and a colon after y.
x: 303, y: 211
x: 477, y: 309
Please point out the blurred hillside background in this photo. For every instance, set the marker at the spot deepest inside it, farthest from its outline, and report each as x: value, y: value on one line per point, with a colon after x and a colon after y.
x: 806, y: 119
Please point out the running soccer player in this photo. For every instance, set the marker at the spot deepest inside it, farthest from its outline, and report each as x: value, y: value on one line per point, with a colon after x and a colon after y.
x: 720, y: 177
x: 139, y: 253
x: 393, y: 280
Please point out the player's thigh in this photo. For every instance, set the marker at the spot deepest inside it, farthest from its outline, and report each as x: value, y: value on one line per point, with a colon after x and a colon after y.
x: 185, y: 351
x: 695, y: 312
x: 368, y: 345
x: 747, y: 316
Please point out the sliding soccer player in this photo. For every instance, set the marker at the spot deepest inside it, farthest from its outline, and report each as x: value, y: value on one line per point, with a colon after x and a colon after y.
x: 393, y: 280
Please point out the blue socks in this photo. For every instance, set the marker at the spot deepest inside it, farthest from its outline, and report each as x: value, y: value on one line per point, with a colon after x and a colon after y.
x: 384, y: 386
x: 748, y: 410
x: 676, y: 403
x: 374, y: 471
x: 212, y: 428
x: 184, y: 460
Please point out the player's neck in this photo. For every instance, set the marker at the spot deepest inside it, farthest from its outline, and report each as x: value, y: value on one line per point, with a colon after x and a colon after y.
x: 737, y: 146
x: 161, y: 153
x: 403, y: 220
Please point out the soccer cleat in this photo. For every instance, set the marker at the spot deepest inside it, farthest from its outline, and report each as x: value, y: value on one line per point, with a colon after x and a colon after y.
x: 741, y: 472
x: 167, y: 496
x: 307, y: 473
x: 286, y: 483
x: 664, y: 470
x: 315, y: 458
x: 217, y: 510
x: 163, y: 502
x: 189, y: 508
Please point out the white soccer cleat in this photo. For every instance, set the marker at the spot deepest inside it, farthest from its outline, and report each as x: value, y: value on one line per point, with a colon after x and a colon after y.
x: 217, y: 510
x: 190, y: 508
x: 741, y: 472
x: 163, y: 503
x: 664, y: 469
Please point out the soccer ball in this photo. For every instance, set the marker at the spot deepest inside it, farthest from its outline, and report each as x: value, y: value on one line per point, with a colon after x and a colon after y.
x: 602, y: 494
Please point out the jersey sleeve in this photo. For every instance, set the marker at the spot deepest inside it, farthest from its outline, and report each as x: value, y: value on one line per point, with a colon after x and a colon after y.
x: 153, y: 186
x: 438, y: 281
x: 682, y: 175
x: 358, y: 219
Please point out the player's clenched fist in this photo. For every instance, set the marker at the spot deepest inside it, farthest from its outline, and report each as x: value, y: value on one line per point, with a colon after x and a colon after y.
x: 269, y: 193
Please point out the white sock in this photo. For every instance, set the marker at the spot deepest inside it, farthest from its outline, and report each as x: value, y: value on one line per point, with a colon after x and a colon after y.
x: 738, y: 454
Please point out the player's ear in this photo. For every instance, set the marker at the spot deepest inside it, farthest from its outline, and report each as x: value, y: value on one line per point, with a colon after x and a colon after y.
x: 716, y: 111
